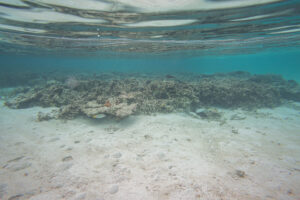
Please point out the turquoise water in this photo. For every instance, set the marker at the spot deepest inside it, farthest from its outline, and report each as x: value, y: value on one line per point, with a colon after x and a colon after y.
x: 282, y: 61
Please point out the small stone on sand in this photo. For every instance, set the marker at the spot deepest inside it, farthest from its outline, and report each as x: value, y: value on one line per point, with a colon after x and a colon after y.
x: 240, y: 173
x: 117, y: 155
x: 114, y: 189
x: 67, y: 158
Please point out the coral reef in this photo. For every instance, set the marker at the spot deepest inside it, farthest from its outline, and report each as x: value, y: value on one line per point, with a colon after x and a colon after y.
x: 120, y: 110
x: 120, y: 95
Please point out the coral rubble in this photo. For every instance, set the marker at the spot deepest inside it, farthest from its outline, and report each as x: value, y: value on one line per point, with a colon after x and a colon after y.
x: 121, y: 95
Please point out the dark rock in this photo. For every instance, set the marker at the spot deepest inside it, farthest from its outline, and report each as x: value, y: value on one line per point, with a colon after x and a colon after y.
x: 210, y: 114
x: 67, y: 158
x: 240, y: 173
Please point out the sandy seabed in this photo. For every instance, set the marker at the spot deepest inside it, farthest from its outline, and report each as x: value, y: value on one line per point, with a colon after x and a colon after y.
x: 164, y: 156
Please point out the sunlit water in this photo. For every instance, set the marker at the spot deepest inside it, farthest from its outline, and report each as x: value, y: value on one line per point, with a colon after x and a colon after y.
x: 194, y: 27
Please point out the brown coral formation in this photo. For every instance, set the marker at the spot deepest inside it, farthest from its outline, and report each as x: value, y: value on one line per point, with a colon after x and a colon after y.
x: 107, y: 104
x: 123, y: 95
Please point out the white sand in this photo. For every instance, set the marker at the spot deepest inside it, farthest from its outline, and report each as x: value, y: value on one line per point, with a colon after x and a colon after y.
x: 170, y: 156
